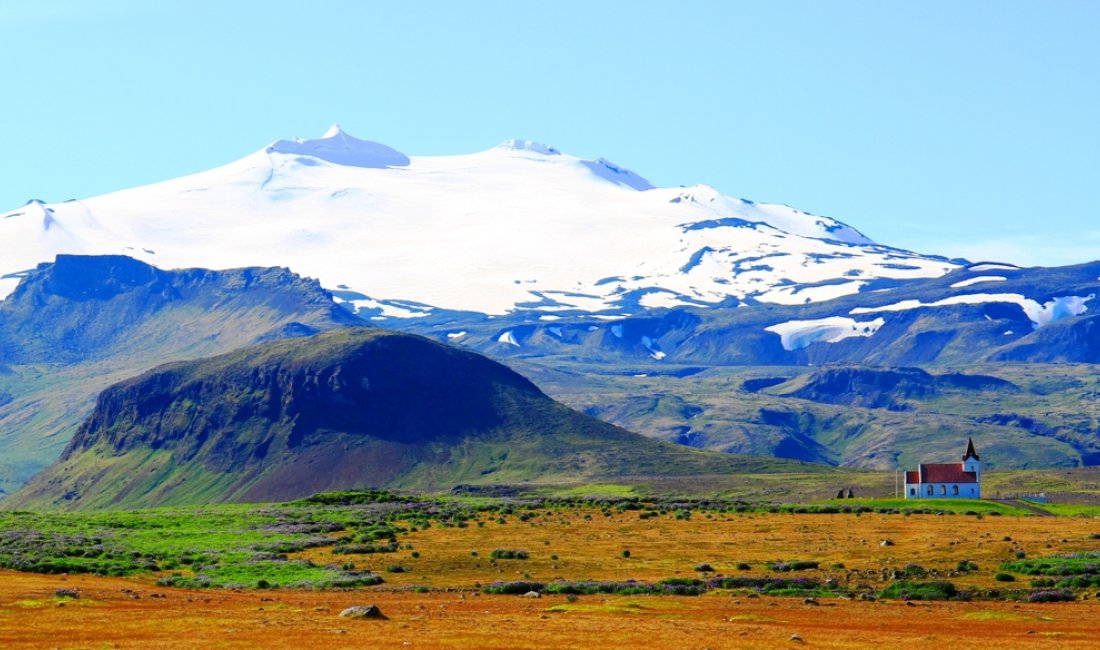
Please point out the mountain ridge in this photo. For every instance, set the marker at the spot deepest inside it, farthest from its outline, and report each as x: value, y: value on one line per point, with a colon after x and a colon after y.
x: 78, y: 324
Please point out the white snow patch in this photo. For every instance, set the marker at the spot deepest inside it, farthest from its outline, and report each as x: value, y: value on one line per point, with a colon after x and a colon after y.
x: 977, y: 280
x: 454, y: 336
x: 663, y: 299
x: 992, y: 267
x: 508, y: 339
x: 388, y: 310
x: 1040, y: 315
x: 617, y: 330
x: 556, y: 331
x: 795, y: 295
x: 797, y: 334
x: 7, y: 286
x: 651, y: 345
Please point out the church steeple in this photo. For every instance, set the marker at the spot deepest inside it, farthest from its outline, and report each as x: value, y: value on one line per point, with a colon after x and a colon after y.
x: 970, y: 453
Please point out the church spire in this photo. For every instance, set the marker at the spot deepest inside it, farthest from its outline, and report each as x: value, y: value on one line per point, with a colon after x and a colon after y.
x: 970, y: 453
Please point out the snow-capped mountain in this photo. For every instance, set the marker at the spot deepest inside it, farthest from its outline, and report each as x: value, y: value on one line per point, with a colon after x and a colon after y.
x: 521, y: 226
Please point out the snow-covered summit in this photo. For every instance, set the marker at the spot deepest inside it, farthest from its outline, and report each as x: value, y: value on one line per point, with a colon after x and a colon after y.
x: 528, y: 145
x: 336, y: 146
x: 519, y: 226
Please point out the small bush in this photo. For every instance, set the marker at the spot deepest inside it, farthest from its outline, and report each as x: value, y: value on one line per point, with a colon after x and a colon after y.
x: 966, y: 566
x: 625, y: 553
x: 507, y: 554
x: 1004, y: 577
x: 515, y: 587
x: 1052, y: 596
x: 913, y: 571
x: 704, y: 568
x: 395, y: 568
x: 793, y: 565
x: 907, y: 590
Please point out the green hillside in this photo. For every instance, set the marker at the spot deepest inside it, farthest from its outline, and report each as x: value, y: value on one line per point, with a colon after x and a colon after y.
x: 349, y: 408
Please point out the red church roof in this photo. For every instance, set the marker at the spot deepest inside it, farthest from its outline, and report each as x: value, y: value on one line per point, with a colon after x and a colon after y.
x: 946, y: 473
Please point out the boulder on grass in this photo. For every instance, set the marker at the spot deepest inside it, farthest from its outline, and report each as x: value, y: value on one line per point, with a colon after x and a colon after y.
x: 363, y: 611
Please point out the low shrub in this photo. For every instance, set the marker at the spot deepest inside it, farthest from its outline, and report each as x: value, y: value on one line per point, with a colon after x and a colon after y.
x: 908, y: 590
x: 793, y: 565
x: 1051, y: 596
x: 966, y: 566
x: 514, y: 587
x: 507, y: 554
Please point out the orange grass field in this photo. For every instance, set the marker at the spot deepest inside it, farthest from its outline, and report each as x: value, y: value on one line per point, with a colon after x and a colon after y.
x: 121, y: 613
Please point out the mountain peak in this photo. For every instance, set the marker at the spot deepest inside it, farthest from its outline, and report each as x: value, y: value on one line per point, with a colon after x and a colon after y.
x: 339, y: 148
x: 528, y: 145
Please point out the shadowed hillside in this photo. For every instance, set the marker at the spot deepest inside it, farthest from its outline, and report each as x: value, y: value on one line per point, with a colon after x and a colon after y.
x: 348, y: 408
x: 73, y: 327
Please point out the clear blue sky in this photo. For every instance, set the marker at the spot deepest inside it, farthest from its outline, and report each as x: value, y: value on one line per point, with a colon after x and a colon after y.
x: 954, y: 127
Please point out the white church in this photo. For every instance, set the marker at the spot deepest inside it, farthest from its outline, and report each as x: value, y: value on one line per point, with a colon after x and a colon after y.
x: 947, y: 480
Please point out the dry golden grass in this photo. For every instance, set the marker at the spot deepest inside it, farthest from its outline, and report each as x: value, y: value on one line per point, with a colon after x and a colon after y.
x: 453, y: 615
x: 665, y: 547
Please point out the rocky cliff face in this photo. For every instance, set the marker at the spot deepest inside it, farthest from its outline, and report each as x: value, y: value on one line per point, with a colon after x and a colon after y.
x: 81, y: 307
x: 73, y: 327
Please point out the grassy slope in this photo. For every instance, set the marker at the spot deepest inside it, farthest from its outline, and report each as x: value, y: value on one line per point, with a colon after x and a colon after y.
x: 395, y: 410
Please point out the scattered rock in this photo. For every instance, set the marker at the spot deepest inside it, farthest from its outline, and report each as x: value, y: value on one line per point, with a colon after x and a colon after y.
x: 886, y: 542
x: 363, y: 611
x: 796, y: 639
x: 809, y: 601
x: 532, y: 594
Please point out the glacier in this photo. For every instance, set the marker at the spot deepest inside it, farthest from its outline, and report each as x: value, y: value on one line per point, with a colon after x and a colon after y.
x: 518, y: 227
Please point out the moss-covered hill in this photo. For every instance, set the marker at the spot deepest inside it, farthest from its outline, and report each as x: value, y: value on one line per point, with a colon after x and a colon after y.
x: 347, y: 408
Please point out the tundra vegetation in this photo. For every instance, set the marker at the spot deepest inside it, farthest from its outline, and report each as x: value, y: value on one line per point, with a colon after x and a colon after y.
x: 961, y: 550
x: 623, y: 569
